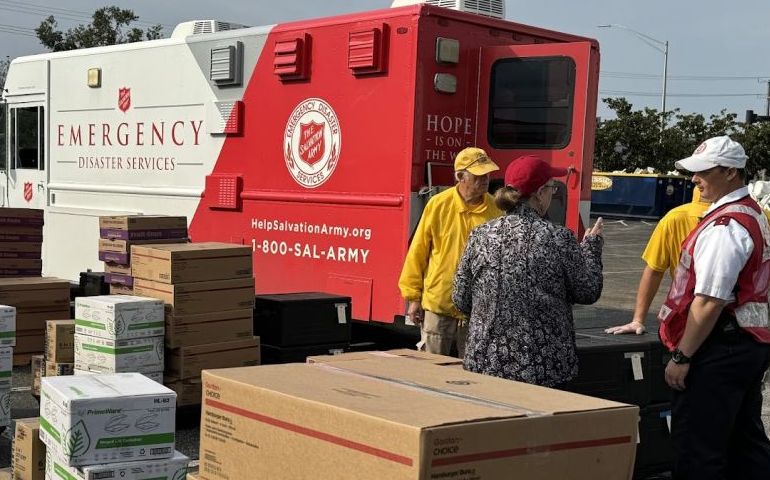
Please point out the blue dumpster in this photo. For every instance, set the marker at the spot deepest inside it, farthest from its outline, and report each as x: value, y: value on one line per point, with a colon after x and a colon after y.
x: 637, y: 195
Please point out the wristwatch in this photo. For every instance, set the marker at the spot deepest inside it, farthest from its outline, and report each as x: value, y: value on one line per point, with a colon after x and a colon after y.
x: 679, y: 358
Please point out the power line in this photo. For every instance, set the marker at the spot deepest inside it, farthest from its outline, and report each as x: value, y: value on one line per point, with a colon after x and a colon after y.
x: 45, y: 10
x: 652, y: 76
x: 15, y: 32
x: 691, y: 95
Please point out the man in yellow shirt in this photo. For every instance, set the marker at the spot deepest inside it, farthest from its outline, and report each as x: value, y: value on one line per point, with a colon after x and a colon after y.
x: 438, y: 243
x: 661, y: 254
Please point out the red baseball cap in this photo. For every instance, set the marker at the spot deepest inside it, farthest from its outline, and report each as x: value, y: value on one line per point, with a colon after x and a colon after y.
x: 528, y: 173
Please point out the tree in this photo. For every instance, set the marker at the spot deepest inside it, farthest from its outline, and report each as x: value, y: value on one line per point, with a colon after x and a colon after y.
x: 4, y: 64
x: 109, y: 25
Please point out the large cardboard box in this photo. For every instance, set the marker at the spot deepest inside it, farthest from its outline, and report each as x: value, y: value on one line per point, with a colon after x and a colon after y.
x: 105, y: 355
x: 187, y: 362
x: 174, y: 468
x: 7, y: 325
x: 200, y: 297
x: 37, y: 363
x: 154, y: 376
x: 5, y: 404
x: 431, y: 358
x: 117, y: 268
x: 91, y: 419
x: 121, y: 290
x: 34, y: 294
x: 32, y: 217
x: 213, y: 327
x: 142, y: 227
x: 188, y: 391
x: 21, y: 249
x: 191, y: 262
x: 53, y: 369
x: 60, y: 341
x: 396, y: 418
x: 6, y: 366
x: 23, y: 234
x: 119, y: 317
x: 28, y: 451
x: 30, y: 341
x: 119, y: 251
x: 36, y: 321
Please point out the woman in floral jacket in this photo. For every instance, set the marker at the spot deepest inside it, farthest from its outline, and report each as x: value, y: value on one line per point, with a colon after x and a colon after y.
x: 518, y: 279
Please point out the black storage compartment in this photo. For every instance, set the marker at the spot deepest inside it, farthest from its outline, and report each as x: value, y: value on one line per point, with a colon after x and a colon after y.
x: 599, y: 317
x: 295, y: 319
x: 659, y: 357
x: 271, y: 354
x: 606, y: 366
x: 93, y: 284
x: 654, y: 451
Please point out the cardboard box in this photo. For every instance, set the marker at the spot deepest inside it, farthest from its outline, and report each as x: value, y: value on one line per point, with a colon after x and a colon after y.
x: 119, y: 279
x: 119, y: 251
x: 6, y: 366
x: 105, y: 355
x: 30, y: 341
x: 200, y: 297
x: 188, y: 391
x: 187, y: 362
x: 121, y: 290
x: 21, y: 249
x: 5, y: 404
x: 142, y: 227
x: 7, y: 325
x: 90, y: 419
x: 119, y: 317
x: 60, y: 341
x: 191, y: 262
x: 21, y: 216
x: 174, y: 468
x: 431, y: 358
x: 5, y: 474
x: 53, y: 369
x: 28, y: 451
x: 23, y: 234
x: 193, y: 475
x: 214, y: 327
x: 154, y: 376
x: 117, y: 268
x: 397, y: 418
x: 37, y: 364
x: 35, y: 294
x: 35, y: 321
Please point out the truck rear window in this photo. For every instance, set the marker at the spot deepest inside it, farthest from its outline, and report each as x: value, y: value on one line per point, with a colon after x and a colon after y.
x: 531, y: 102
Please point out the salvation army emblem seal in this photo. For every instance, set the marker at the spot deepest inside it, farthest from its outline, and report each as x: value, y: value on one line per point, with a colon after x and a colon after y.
x: 312, y: 142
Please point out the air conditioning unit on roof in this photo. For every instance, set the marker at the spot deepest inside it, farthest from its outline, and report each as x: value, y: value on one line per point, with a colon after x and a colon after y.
x: 487, y: 8
x: 197, y: 27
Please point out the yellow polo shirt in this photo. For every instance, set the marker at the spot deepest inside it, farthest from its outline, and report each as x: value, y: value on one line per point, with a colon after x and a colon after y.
x: 665, y: 244
x: 437, y: 246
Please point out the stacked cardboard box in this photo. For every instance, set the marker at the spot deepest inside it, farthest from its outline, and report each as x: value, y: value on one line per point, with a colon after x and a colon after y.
x: 59, y: 348
x: 109, y: 426
x: 21, y: 240
x: 119, y: 333
x: 36, y: 299
x: 118, y: 234
x: 28, y: 451
x: 208, y: 289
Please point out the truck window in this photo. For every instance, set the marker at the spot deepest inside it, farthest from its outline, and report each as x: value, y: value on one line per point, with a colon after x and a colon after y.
x: 26, y: 142
x: 531, y: 103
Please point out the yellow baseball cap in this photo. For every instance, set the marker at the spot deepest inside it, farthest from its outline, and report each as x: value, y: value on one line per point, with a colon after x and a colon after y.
x: 476, y: 161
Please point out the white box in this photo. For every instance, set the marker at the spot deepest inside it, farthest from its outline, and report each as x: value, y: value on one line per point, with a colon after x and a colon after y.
x: 104, y: 355
x: 7, y: 325
x: 155, y: 376
x: 5, y: 404
x: 174, y: 468
x: 95, y: 419
x: 119, y: 317
x: 6, y: 366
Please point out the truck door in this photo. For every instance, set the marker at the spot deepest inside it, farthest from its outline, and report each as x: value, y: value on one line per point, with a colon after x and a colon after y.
x: 541, y: 100
x: 23, y: 177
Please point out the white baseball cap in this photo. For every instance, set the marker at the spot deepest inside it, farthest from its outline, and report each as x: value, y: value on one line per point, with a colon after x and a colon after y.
x: 714, y: 152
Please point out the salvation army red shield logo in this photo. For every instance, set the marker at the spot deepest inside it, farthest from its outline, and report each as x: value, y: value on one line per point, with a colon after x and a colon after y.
x: 28, y: 191
x: 312, y: 142
x: 124, y: 99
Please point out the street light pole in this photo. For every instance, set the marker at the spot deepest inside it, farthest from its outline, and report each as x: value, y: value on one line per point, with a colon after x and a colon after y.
x: 659, y: 45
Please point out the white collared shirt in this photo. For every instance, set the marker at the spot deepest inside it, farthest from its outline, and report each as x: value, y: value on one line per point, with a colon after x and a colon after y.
x: 721, y: 252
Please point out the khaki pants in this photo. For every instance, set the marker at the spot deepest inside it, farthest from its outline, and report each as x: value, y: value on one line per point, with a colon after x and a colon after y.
x: 439, y: 332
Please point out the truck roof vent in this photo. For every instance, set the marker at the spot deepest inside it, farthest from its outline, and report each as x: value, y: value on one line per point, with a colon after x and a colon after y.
x: 487, y: 8
x: 197, y: 27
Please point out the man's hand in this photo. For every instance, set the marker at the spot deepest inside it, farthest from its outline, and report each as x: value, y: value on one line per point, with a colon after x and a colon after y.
x: 633, y: 327
x: 675, y: 375
x: 415, y: 313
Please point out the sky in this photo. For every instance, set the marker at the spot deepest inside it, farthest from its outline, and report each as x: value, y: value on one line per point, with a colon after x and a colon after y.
x: 717, y: 54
